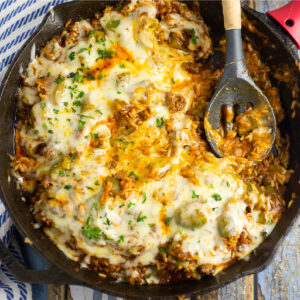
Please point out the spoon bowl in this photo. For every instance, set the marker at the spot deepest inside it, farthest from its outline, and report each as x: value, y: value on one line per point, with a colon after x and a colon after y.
x: 236, y: 92
x: 236, y: 95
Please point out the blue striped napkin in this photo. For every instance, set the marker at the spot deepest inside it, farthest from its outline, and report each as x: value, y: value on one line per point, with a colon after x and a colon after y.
x: 18, y: 21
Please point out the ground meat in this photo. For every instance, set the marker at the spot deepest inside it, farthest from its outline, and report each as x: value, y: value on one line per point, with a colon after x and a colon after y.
x: 175, y: 102
x: 193, y: 68
x: 178, y: 40
x: 72, y: 243
x: 102, y: 265
x: 73, y: 35
x: 207, y: 269
x: 52, y: 50
x: 128, y: 118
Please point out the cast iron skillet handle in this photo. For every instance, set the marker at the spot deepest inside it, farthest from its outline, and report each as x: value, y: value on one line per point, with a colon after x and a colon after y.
x: 52, y: 276
x: 288, y: 17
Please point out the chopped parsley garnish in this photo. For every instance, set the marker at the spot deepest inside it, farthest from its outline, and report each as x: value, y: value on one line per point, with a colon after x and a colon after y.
x: 217, y: 197
x: 91, y: 232
x: 96, y: 182
x: 122, y: 66
x: 66, y: 103
x: 82, y: 50
x: 72, y: 55
x: 44, y: 125
x: 80, y: 95
x: 80, y: 124
x: 91, y: 34
x: 269, y: 222
x: 64, y: 172
x: 129, y: 222
x: 89, y: 188
x: 101, y: 41
x: 107, y: 221
x: 160, y: 122
x: 78, y: 77
x: 173, y: 80
x: 67, y: 187
x: 214, y: 208
x: 50, y: 119
x: 163, y: 249
x: 144, y: 197
x: 90, y: 77
x: 73, y: 155
x: 211, y: 186
x: 194, y: 195
x: 119, y: 6
x: 204, y: 201
x: 133, y: 175
x: 42, y: 105
x: 227, y: 183
x: 71, y: 75
x: 85, y: 116
x: 194, y: 37
x: 94, y: 206
x: 99, y: 111
x: 121, y: 239
x: 35, y: 131
x: 77, y: 103
x: 130, y: 204
x: 264, y: 234
x: 100, y: 76
x: 168, y: 220
x: 140, y: 218
x: 59, y: 79
x: 56, y: 111
x: 118, y: 92
x: 50, y: 131
x: 117, y: 82
x: 113, y: 23
x: 150, y: 225
x: 95, y: 136
x: 105, y: 53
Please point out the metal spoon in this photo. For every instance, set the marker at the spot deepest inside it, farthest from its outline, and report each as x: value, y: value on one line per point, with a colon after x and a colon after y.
x: 236, y: 88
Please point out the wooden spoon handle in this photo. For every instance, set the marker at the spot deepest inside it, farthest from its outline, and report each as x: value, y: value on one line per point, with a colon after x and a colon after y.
x: 232, y: 14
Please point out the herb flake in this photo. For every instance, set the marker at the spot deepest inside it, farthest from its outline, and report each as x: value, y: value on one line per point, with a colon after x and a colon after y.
x: 217, y: 197
x: 160, y: 122
x: 194, y: 195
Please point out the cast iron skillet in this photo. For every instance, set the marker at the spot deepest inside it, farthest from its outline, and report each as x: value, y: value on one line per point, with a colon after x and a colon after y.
x: 277, y: 49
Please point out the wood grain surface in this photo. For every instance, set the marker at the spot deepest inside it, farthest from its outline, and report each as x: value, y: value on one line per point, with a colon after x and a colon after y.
x: 281, y: 280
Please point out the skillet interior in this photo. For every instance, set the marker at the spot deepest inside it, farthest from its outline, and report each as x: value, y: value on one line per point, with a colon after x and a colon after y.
x: 278, y: 56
